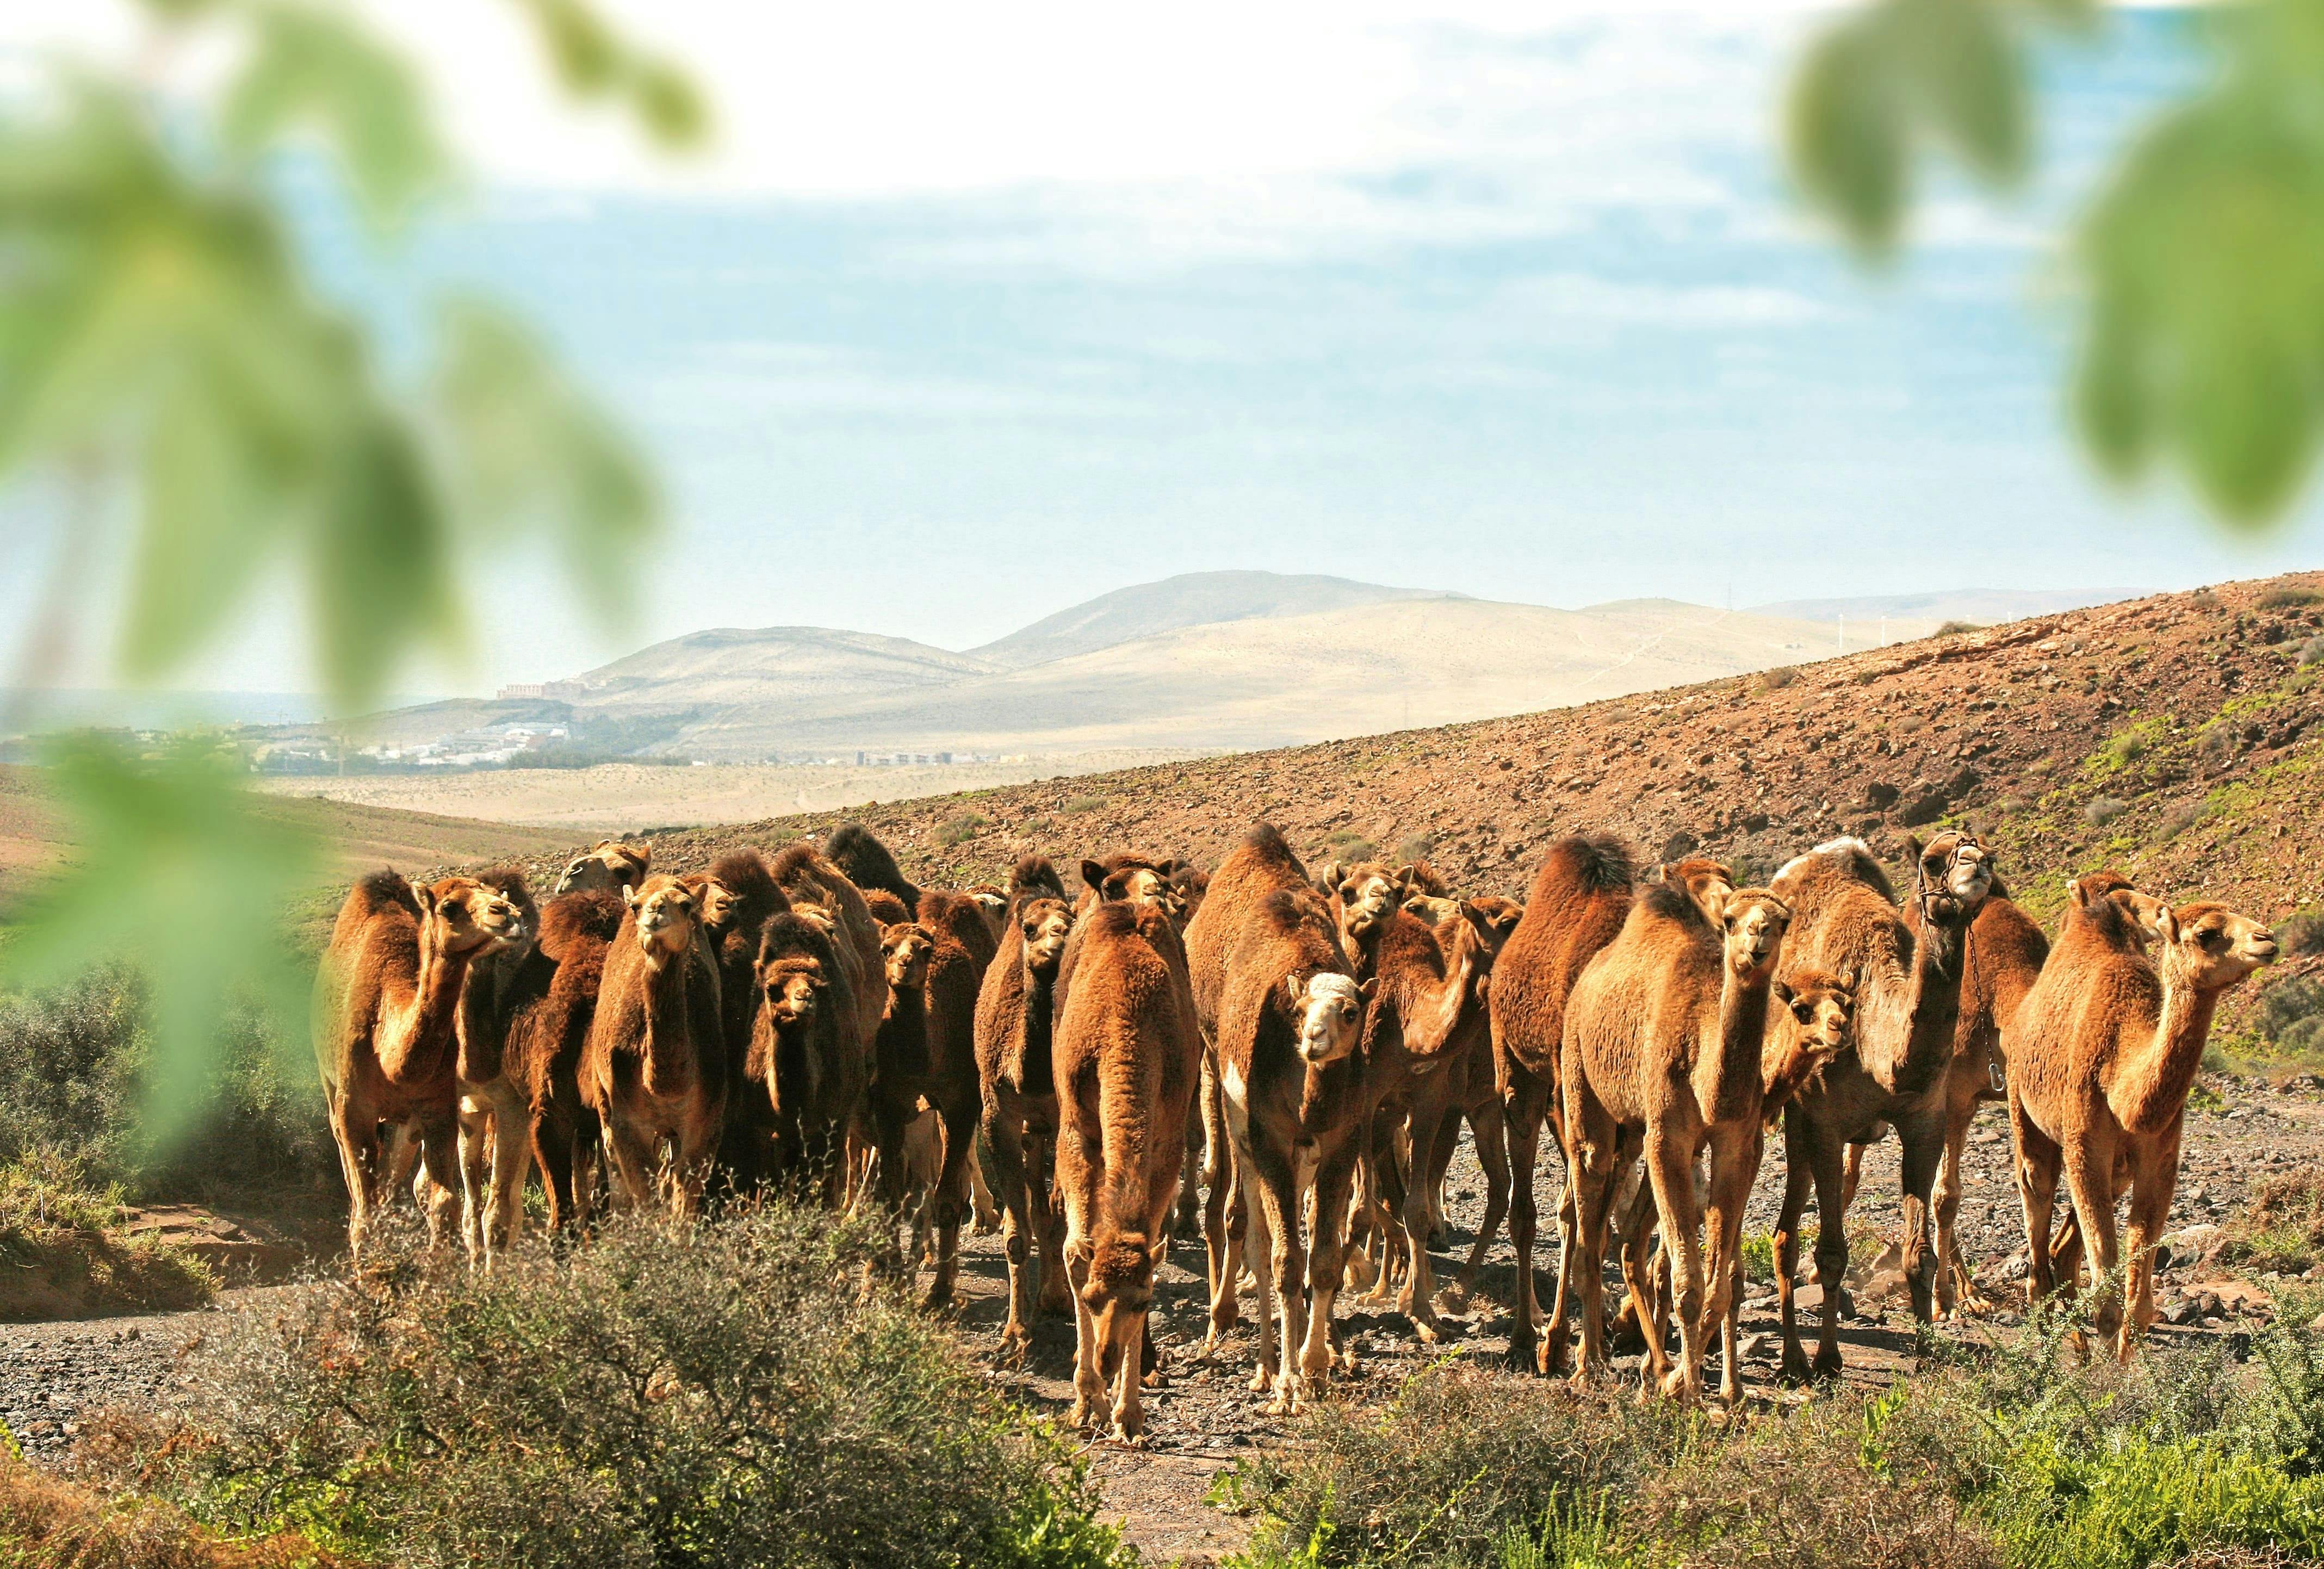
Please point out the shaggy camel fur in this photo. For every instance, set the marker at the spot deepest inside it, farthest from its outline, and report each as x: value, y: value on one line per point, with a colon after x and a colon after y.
x: 609, y: 865
x: 2102, y: 1055
x: 387, y: 1002
x: 1845, y: 921
x: 1285, y: 1017
x: 738, y: 896
x: 1664, y: 1035
x: 1578, y: 902
x: 1427, y: 1014
x: 494, y: 1125
x: 654, y: 1069
x: 807, y: 879
x: 868, y: 863
x: 1126, y: 1058
x: 927, y: 1048
x: 545, y: 1045
x: 1017, y: 1079
x: 805, y: 1064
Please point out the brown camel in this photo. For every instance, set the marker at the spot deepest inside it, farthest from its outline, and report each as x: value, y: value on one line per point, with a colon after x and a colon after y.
x: 2102, y: 1055
x: 609, y: 864
x: 654, y: 1069
x: 1017, y: 1079
x: 1427, y: 1014
x: 1126, y: 1058
x: 805, y: 1064
x: 737, y: 896
x: 1284, y: 1019
x: 927, y: 1049
x: 869, y: 864
x: 496, y: 1128
x: 1845, y: 921
x: 1578, y: 902
x: 387, y: 1002
x: 544, y: 1045
x: 1664, y: 1037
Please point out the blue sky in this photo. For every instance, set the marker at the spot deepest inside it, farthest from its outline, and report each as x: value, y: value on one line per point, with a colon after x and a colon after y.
x: 968, y: 320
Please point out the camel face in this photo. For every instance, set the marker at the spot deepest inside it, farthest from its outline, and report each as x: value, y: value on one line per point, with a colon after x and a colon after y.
x: 1331, y: 1009
x: 667, y: 917
x: 1955, y: 874
x: 1044, y: 924
x: 1367, y: 896
x: 2212, y: 947
x: 717, y: 902
x: 473, y: 915
x: 608, y: 865
x: 907, y: 949
x: 1753, y: 921
x: 1709, y: 883
x: 1145, y: 885
x: 793, y: 986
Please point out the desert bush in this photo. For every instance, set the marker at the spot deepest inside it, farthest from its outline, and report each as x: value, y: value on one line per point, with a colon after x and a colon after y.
x: 1776, y: 680
x: 2303, y: 934
x: 76, y: 1083
x: 748, y: 1391
x: 1349, y: 844
x: 2281, y: 1225
x: 1416, y: 847
x: 2183, y: 816
x: 1077, y: 805
x: 2104, y: 809
x: 66, y: 1254
x: 2311, y: 652
x: 1955, y: 628
x: 961, y: 827
x: 46, y: 1523
x: 2287, y: 596
x: 2291, y: 1014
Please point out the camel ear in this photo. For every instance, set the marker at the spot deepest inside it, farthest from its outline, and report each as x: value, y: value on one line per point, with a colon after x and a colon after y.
x: 1331, y: 877
x: 425, y: 895
x: 1369, y: 989
x: 1783, y: 910
x: 1094, y: 875
x: 1848, y: 980
x: 630, y: 894
x: 1913, y: 848
x: 2080, y: 888
x: 2166, y: 924
x: 1781, y: 993
x: 1296, y: 984
x: 1158, y: 1252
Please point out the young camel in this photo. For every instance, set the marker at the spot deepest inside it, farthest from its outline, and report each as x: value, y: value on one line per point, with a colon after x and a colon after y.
x: 927, y: 1048
x: 1844, y: 920
x: 804, y: 1065
x: 1812, y: 1021
x: 1128, y: 1056
x: 1018, y: 1112
x: 654, y: 1068
x: 494, y: 1124
x: 1283, y: 1016
x: 1578, y: 902
x: 2102, y: 1056
x: 1663, y: 1038
x: 387, y: 1002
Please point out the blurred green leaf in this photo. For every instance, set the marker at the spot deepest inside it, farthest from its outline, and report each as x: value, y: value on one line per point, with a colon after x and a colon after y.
x: 311, y: 69
x: 1968, y: 75
x: 173, y: 874
x: 596, y: 63
x: 1846, y: 133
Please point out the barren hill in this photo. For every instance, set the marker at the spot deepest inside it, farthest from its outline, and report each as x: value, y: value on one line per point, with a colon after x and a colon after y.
x: 2180, y: 736
x: 1189, y: 599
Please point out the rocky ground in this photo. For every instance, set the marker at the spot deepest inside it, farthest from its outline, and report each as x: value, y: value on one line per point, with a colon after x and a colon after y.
x: 1205, y: 1419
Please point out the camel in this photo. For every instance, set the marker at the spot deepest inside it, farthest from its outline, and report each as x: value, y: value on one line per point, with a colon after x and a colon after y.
x: 387, y: 1002
x: 1845, y: 920
x: 1664, y: 1037
x: 545, y: 1043
x: 1126, y: 1058
x: 2102, y: 1054
x: 736, y: 898
x: 495, y: 1126
x: 1427, y: 1013
x: 927, y: 1048
x: 654, y: 1067
x: 609, y: 864
x: 1579, y: 900
x: 1018, y: 1112
x: 865, y: 862
x: 1284, y: 1018
x: 805, y: 1064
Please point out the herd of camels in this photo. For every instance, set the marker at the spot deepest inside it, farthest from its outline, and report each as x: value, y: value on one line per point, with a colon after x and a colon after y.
x: 1283, y: 1062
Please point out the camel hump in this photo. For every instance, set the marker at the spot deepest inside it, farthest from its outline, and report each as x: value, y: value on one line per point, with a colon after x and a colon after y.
x: 1842, y: 860
x: 571, y: 918
x: 386, y: 888
x: 868, y: 863
x: 1266, y: 842
x: 1035, y: 877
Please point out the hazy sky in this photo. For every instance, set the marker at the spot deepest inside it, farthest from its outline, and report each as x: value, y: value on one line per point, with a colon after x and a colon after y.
x: 981, y: 311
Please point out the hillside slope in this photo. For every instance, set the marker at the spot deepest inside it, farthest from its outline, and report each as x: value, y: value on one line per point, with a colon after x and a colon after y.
x: 2178, y: 736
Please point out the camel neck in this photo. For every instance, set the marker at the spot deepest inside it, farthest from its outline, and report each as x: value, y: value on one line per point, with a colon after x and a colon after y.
x: 903, y: 1050
x: 1435, y: 1014
x: 1040, y: 1020
x: 1928, y: 1043
x: 1729, y: 1090
x: 416, y: 1048
x: 2153, y: 1087
x: 668, y: 1046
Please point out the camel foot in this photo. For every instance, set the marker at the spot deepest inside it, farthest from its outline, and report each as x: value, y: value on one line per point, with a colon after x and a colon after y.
x: 1827, y: 1365
x: 1675, y: 1385
x: 937, y: 1297
x: 1361, y: 1275
x: 1016, y: 1346
x: 1795, y: 1372
x: 1261, y: 1382
x: 1426, y: 1328
x: 1156, y: 1379
x: 1346, y: 1363
x: 1054, y: 1305
x: 1083, y: 1417
x: 1525, y: 1355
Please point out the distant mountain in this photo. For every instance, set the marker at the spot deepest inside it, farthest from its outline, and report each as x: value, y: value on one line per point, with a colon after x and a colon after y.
x: 1985, y: 606
x: 805, y: 665
x: 1189, y: 599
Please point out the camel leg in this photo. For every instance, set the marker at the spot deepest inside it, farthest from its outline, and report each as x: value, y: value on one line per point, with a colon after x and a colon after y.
x: 1423, y: 1214
x: 2037, y: 1163
x: 1222, y: 1241
x: 2149, y: 1212
x: 1259, y: 1236
x: 2089, y: 1178
x: 981, y: 1200
x: 439, y: 1153
x: 1798, y: 1176
x: 1491, y: 1130
x: 1670, y: 1166
x: 1003, y: 1137
x: 632, y: 1154
x: 1278, y: 1209
x: 1523, y: 1106
x: 1734, y: 1167
x: 1853, y: 1177
x: 1635, y: 1224
x: 1592, y: 1164
x: 1049, y: 1221
x: 356, y: 1133
x: 951, y: 1197
x: 1923, y: 1142
x: 552, y: 1150
x: 1830, y: 1251
x: 1089, y: 1376
x: 1954, y: 1280
x: 1328, y: 1240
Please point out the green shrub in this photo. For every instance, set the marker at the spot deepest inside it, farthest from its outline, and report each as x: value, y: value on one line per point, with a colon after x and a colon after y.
x: 960, y: 827
x: 2287, y: 597
x: 2140, y: 1500
x: 65, y: 1254
x: 1079, y: 805
x: 1776, y: 680
x: 46, y: 1523
x: 748, y: 1391
x: 2104, y: 809
x: 2281, y: 1227
x: 2303, y: 934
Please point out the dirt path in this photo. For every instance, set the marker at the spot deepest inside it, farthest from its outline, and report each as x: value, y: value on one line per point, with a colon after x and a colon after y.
x: 1206, y: 1419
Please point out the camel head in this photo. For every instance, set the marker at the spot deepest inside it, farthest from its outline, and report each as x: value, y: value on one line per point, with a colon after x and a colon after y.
x: 1331, y: 1009
x: 2210, y: 947
x: 716, y: 899
x: 1495, y: 918
x: 1752, y: 923
x: 1120, y: 1292
x: 667, y: 917
x: 817, y: 916
x: 1193, y: 884
x: 1953, y: 873
x: 1138, y: 883
x: 792, y: 985
x: 1433, y: 908
x: 1362, y: 896
x: 992, y: 906
x: 512, y: 883
x: 467, y: 917
x: 1707, y: 882
x: 608, y: 865
x: 1818, y: 1023
x: 1042, y: 926
x: 907, y: 947
x: 2123, y: 917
